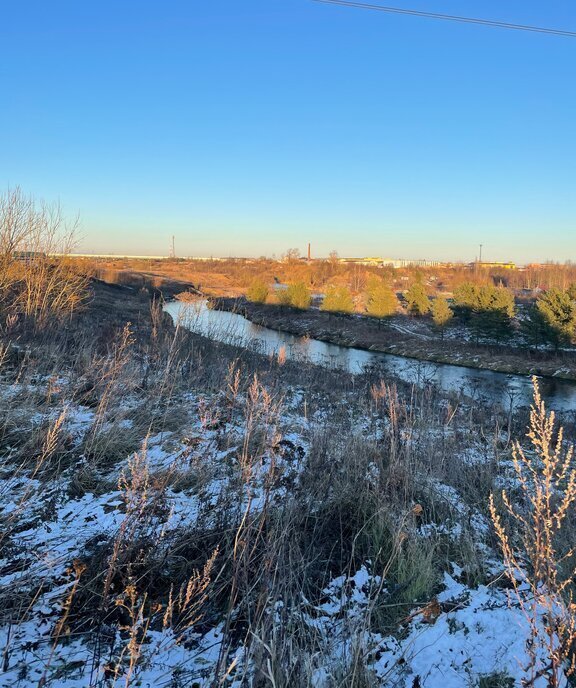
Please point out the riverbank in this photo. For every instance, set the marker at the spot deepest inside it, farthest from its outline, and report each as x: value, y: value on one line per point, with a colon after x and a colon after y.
x: 365, y: 333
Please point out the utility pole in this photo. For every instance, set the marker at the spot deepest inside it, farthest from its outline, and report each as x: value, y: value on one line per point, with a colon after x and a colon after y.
x: 172, y: 249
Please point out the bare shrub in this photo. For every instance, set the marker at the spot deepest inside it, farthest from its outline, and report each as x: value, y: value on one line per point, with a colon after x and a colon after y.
x: 37, y: 277
x: 540, y: 567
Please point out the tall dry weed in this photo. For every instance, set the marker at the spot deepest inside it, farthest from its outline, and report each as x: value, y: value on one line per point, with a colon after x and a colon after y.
x: 540, y: 566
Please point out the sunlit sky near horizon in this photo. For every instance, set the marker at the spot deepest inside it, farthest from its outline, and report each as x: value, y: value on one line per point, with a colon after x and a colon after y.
x: 246, y: 128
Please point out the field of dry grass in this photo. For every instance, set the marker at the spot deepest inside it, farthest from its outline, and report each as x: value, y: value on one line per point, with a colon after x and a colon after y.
x: 177, y: 512
x: 170, y: 276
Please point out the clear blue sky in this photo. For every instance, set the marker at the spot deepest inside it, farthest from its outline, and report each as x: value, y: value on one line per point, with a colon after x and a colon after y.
x: 246, y: 127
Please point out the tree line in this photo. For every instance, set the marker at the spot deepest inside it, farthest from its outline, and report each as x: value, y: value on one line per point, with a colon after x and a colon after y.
x: 489, y: 311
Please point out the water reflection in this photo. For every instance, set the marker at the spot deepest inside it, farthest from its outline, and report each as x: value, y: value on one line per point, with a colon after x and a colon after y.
x: 486, y: 385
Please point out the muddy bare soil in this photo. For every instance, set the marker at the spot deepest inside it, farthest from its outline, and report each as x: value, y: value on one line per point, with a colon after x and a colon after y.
x: 362, y: 332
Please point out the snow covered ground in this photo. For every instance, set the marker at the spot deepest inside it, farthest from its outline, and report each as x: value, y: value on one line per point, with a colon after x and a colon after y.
x: 229, y: 460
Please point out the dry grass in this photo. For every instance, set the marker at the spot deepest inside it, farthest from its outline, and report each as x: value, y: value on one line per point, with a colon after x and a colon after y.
x: 540, y: 563
x: 353, y: 484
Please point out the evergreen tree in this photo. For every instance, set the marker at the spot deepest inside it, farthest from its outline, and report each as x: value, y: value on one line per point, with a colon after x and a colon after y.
x: 535, y: 329
x: 465, y: 298
x: 257, y: 292
x: 489, y: 309
x: 417, y: 300
x: 470, y: 298
x: 553, y: 318
x: 382, y: 301
x: 299, y: 296
x: 338, y: 300
x: 489, y: 298
x: 491, y: 323
x: 441, y: 313
x: 493, y: 312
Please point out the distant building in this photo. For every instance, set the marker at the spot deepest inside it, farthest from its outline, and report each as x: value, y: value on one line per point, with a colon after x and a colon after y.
x: 374, y: 261
x: 398, y: 264
x: 503, y: 266
x: 28, y: 256
x: 391, y: 262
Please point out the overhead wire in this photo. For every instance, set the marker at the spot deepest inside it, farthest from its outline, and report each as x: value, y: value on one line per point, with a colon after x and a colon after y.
x: 450, y: 17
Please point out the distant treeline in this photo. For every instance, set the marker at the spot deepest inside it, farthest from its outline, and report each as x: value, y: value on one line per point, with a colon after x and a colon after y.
x: 489, y: 311
x: 320, y: 273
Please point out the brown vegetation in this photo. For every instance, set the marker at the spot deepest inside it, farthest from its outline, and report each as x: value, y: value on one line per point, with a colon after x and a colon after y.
x: 232, y: 277
x: 275, y: 518
x: 540, y: 558
x: 38, y: 281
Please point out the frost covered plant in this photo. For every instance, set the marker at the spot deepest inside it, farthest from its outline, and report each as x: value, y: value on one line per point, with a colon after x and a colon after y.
x: 48, y: 450
x: 547, y: 479
x: 61, y: 628
x: 137, y: 629
x: 184, y: 607
x: 138, y: 497
x: 183, y: 610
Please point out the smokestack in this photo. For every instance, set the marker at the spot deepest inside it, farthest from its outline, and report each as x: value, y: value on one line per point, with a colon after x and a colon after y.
x: 309, y: 252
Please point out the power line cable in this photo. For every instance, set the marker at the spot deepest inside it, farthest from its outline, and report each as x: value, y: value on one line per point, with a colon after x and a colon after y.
x: 450, y: 17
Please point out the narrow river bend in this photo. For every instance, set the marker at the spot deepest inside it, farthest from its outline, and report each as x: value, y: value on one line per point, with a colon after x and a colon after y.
x: 232, y: 328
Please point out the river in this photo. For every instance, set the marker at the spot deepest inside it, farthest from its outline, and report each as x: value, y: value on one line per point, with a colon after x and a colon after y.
x: 232, y: 328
